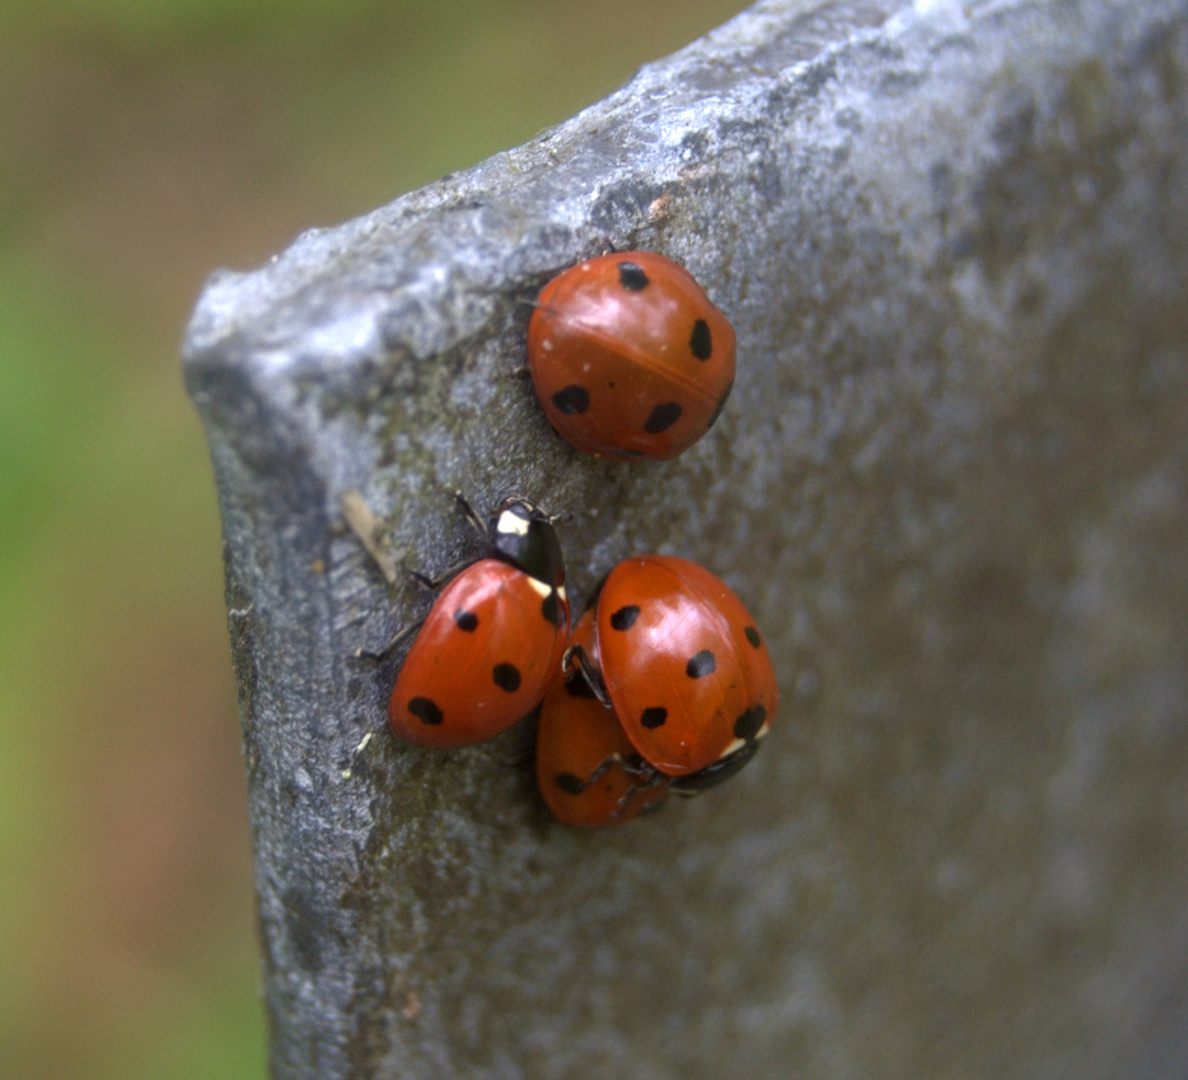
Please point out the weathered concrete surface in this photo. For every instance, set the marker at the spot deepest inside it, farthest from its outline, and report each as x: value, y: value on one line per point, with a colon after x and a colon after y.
x: 952, y: 484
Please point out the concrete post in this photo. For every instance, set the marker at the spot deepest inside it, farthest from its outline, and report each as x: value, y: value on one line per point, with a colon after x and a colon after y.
x: 951, y: 484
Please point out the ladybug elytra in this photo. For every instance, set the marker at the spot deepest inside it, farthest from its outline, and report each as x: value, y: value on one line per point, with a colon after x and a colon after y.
x: 628, y: 356
x: 491, y: 641
x: 587, y: 770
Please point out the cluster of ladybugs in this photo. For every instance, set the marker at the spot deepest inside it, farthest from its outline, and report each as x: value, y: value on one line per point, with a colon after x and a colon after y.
x: 664, y: 684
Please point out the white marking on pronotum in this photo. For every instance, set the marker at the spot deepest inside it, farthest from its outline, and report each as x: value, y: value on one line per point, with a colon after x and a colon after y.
x: 561, y: 593
x: 737, y: 744
x: 512, y: 523
x: 539, y: 586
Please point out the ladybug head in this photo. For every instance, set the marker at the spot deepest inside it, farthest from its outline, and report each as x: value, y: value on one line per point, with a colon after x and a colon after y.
x: 715, y: 773
x: 523, y: 536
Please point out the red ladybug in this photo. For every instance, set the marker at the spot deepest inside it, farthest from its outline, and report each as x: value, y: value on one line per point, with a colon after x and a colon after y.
x: 587, y: 769
x: 628, y: 356
x: 491, y: 641
x: 683, y: 664
x: 679, y: 660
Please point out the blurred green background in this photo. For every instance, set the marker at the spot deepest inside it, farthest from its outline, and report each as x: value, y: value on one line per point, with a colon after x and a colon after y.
x: 143, y: 143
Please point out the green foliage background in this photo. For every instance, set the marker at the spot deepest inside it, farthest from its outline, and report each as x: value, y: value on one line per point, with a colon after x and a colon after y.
x: 143, y: 143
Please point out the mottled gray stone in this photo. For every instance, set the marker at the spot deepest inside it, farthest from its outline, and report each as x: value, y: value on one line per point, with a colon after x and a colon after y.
x: 952, y: 484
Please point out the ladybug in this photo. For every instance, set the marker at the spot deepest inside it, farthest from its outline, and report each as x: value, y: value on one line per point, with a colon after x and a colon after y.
x: 588, y: 771
x: 486, y: 650
x: 677, y: 658
x: 628, y: 357
x: 683, y: 665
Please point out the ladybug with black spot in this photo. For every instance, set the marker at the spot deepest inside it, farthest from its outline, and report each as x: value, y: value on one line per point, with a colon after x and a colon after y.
x: 628, y: 356
x: 678, y: 659
x: 491, y: 641
x: 588, y: 771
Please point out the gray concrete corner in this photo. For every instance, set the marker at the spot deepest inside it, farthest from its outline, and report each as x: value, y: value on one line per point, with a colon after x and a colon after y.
x: 951, y: 484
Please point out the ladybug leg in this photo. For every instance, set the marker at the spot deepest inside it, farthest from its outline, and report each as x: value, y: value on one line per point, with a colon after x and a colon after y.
x: 423, y: 580
x: 476, y: 523
x: 575, y: 659
x: 390, y: 647
x: 634, y: 766
x: 645, y: 778
x: 435, y: 583
x: 472, y: 519
x: 611, y: 759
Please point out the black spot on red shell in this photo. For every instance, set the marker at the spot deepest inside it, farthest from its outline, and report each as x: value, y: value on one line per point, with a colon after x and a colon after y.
x: 701, y: 344
x: 507, y: 677
x: 572, y: 401
x: 753, y: 636
x: 632, y: 277
x: 701, y: 664
x: 552, y: 608
x: 426, y: 711
x: 747, y: 726
x: 624, y: 618
x: 653, y: 717
x: 569, y: 783
x: 466, y: 620
x: 663, y: 417
x: 720, y: 406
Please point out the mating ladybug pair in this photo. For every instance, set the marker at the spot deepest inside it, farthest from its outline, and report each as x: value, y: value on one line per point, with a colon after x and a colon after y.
x: 664, y: 684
